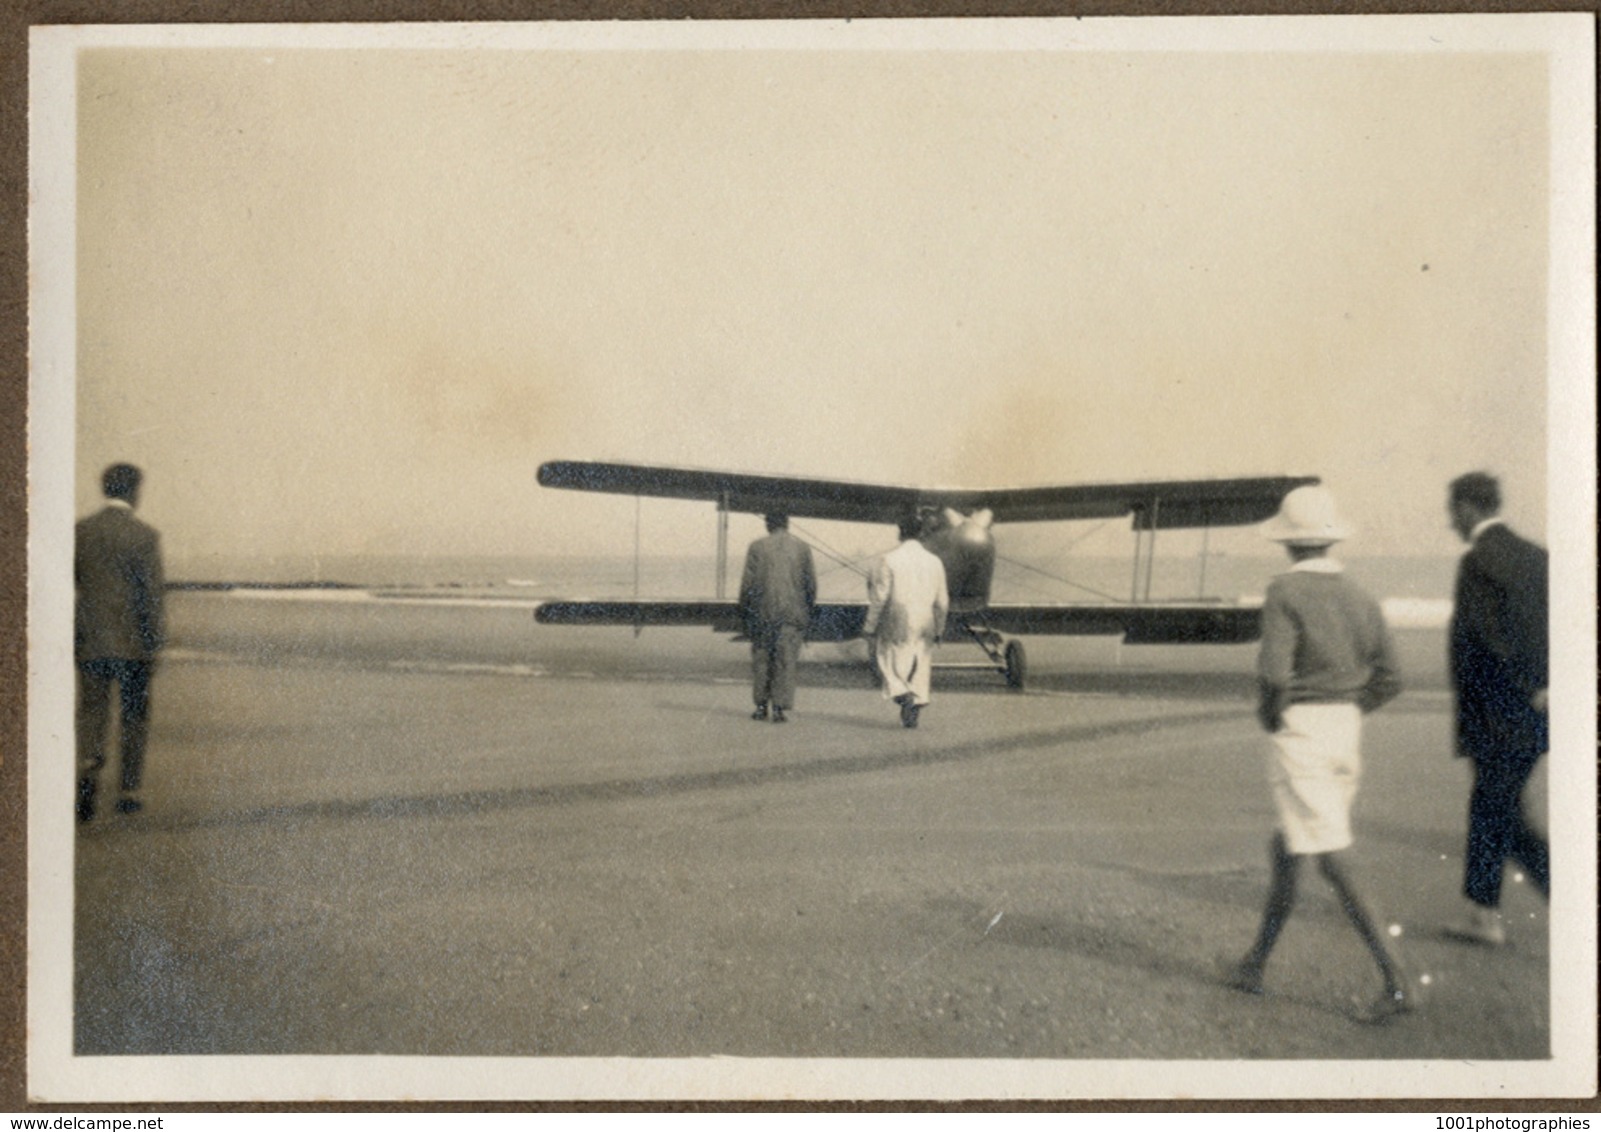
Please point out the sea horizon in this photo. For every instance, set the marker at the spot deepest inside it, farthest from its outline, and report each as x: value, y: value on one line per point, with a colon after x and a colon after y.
x: 1410, y: 586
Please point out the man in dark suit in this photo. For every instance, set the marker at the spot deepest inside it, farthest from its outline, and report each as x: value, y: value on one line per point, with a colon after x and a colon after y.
x: 776, y: 596
x: 1499, y: 667
x: 119, y: 628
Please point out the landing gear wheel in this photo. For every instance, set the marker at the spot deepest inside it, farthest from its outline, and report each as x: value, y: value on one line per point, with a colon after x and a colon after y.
x: 1016, y: 665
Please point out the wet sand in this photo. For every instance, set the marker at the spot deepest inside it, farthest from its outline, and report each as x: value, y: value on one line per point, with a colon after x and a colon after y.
x: 455, y: 833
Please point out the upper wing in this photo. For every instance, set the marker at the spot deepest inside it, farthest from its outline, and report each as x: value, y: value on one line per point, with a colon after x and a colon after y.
x: 1138, y: 624
x: 1154, y: 504
x: 734, y: 491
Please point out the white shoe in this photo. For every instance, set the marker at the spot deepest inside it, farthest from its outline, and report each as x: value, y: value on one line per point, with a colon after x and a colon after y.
x: 1481, y: 925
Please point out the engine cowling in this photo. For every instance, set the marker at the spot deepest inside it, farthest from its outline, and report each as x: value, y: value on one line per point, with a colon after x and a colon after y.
x: 967, y: 548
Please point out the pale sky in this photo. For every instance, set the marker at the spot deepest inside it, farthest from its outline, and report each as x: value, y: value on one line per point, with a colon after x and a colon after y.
x: 348, y: 300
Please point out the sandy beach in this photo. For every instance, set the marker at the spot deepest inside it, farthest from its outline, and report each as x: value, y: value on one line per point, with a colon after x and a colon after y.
x: 435, y: 830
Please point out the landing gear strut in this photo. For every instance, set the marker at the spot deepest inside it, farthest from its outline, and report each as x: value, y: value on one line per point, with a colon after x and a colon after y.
x: 1006, y: 657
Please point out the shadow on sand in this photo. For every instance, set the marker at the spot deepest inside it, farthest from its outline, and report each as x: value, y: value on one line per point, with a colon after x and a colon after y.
x: 1122, y: 946
x: 477, y: 802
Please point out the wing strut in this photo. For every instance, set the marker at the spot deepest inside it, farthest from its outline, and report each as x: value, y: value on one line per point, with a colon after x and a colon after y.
x: 722, y: 546
x: 1150, y: 553
x: 638, y: 504
x: 1146, y: 543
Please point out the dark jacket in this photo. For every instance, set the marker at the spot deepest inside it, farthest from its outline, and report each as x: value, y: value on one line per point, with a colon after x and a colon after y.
x: 779, y: 586
x: 117, y: 573
x: 1499, y: 648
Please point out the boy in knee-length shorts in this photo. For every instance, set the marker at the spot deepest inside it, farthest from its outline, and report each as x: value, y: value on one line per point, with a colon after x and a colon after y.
x: 1326, y: 661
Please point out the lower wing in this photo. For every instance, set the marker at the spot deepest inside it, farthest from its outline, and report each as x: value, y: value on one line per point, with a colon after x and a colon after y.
x: 831, y: 621
x: 1148, y: 623
x: 1138, y: 623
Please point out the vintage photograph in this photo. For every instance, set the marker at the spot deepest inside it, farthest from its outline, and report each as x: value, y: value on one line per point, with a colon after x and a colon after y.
x: 955, y: 559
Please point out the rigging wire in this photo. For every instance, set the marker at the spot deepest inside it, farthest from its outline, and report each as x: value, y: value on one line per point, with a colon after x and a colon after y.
x: 829, y: 552
x: 841, y: 560
x: 999, y: 558
x: 1056, y: 578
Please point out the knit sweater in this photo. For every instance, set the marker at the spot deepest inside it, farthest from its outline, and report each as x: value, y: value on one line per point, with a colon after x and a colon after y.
x: 1323, y: 641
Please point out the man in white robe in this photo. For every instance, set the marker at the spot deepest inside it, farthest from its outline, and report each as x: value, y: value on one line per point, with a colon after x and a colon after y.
x: 906, y: 607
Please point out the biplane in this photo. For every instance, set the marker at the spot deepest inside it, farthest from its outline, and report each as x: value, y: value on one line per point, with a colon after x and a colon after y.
x: 963, y: 538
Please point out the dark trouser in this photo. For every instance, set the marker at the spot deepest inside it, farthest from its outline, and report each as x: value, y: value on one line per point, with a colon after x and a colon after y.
x: 95, y: 678
x: 774, y: 656
x: 1497, y: 831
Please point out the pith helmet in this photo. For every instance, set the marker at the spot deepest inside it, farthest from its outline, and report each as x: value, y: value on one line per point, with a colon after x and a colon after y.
x: 1307, y: 517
